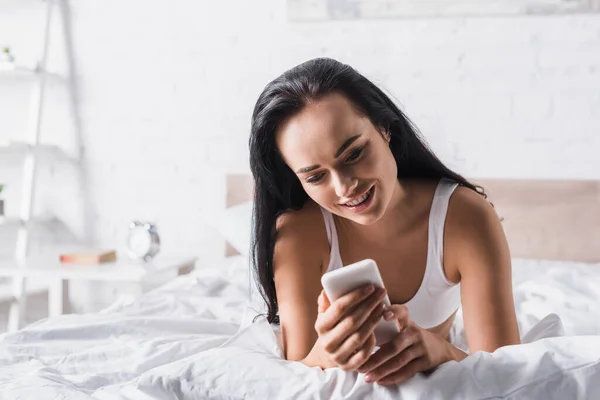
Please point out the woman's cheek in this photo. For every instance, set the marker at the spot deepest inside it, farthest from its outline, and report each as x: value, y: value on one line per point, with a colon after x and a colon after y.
x: 371, y: 167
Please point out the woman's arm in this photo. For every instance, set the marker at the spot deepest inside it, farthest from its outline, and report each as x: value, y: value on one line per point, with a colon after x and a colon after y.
x: 477, y: 248
x: 297, y: 259
x: 315, y: 332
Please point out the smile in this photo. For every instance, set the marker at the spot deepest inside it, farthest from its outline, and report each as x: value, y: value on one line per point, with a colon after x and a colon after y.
x: 362, y: 202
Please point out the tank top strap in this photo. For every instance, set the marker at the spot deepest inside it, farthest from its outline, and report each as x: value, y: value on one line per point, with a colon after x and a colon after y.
x: 335, y: 259
x: 437, y: 222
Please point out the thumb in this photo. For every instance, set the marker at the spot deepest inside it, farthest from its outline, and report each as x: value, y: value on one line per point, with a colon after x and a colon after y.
x: 399, y: 312
x: 323, y: 302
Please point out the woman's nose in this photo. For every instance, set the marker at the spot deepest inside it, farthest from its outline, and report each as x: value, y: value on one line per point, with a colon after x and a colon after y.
x: 343, y: 184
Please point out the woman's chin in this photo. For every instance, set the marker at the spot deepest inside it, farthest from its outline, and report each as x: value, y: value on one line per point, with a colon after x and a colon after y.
x: 366, y: 218
x: 367, y: 212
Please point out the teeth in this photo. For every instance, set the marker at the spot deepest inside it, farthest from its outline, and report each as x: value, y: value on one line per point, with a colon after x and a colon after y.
x: 359, y: 200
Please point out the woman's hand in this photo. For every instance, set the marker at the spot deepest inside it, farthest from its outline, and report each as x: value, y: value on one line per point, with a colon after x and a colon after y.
x: 414, y: 350
x: 345, y: 329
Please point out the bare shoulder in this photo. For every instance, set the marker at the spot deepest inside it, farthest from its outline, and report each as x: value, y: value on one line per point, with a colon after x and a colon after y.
x: 309, y: 217
x: 469, y: 209
x: 301, y: 235
x: 473, y: 232
x: 469, y: 212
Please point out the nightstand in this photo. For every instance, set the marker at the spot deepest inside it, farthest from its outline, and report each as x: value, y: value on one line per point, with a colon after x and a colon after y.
x: 144, y: 276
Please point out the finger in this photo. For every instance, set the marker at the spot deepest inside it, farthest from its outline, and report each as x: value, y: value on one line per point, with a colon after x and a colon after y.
x: 411, y: 369
x: 362, y: 355
x: 341, y: 306
x: 389, y: 350
x: 356, y: 340
x: 323, y: 302
x: 399, y: 312
x: 395, y: 364
x: 354, y: 320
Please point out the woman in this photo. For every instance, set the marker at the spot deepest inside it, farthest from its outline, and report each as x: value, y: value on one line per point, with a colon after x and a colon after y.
x: 341, y: 175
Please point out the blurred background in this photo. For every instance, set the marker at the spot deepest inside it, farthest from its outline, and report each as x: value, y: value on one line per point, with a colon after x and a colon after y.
x: 147, y: 104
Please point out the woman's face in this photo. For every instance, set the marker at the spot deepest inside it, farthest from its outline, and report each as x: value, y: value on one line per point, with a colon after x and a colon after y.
x: 343, y: 162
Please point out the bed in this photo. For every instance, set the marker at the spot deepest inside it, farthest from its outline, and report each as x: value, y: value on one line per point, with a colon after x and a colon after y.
x: 196, y: 337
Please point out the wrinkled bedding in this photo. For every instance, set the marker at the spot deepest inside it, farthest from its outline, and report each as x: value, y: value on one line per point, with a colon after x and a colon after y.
x: 193, y: 338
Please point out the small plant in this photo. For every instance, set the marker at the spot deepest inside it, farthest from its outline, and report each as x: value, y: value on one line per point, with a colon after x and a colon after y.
x: 6, y: 55
x: 1, y: 187
x: 7, y: 60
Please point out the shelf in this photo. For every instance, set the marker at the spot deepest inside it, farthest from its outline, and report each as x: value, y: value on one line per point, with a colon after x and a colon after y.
x: 4, y: 221
x: 7, y: 68
x: 31, y: 287
x: 22, y: 71
x: 48, y: 232
x: 17, y: 222
x: 20, y: 149
x: 122, y: 270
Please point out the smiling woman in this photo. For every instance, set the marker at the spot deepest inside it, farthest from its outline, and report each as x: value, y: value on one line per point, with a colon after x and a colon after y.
x: 342, y: 175
x: 328, y: 122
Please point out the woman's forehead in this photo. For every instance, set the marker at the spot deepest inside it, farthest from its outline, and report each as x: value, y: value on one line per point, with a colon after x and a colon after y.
x: 319, y: 129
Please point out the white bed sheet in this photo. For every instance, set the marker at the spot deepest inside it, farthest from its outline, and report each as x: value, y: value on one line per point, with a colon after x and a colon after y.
x: 183, y: 341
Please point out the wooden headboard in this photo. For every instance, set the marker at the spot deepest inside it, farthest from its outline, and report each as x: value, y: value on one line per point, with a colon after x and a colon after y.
x: 543, y: 219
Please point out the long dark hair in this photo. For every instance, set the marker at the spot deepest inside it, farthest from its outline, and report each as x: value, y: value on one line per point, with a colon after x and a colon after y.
x: 278, y: 189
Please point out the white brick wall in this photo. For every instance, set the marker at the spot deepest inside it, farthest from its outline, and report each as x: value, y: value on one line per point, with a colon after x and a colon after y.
x: 167, y: 90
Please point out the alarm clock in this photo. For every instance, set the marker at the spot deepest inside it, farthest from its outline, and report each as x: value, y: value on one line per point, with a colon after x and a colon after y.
x: 143, y: 242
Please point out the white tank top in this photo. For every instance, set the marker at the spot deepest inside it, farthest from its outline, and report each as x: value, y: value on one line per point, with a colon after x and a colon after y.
x: 437, y: 298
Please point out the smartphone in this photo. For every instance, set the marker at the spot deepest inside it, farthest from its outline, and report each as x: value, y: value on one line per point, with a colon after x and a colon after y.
x: 343, y: 280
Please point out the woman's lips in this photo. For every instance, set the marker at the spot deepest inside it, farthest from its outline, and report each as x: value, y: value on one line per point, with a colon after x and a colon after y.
x: 362, y: 203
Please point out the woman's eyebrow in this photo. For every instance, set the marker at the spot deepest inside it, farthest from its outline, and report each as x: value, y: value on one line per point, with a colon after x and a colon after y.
x: 338, y: 153
x: 307, y: 169
x: 346, y: 144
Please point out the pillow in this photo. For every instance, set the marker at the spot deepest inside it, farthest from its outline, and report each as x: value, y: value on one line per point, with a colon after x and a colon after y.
x: 235, y: 226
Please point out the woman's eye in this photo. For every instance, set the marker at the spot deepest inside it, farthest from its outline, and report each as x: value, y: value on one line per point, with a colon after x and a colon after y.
x: 314, y: 178
x: 354, y: 154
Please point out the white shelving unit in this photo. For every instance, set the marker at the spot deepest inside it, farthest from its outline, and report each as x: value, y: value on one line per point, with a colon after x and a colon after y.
x: 32, y: 153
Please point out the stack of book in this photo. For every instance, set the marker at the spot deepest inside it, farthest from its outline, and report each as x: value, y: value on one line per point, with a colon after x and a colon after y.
x: 89, y: 257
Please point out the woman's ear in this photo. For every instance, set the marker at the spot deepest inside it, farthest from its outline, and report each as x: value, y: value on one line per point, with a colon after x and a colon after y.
x: 387, y: 136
